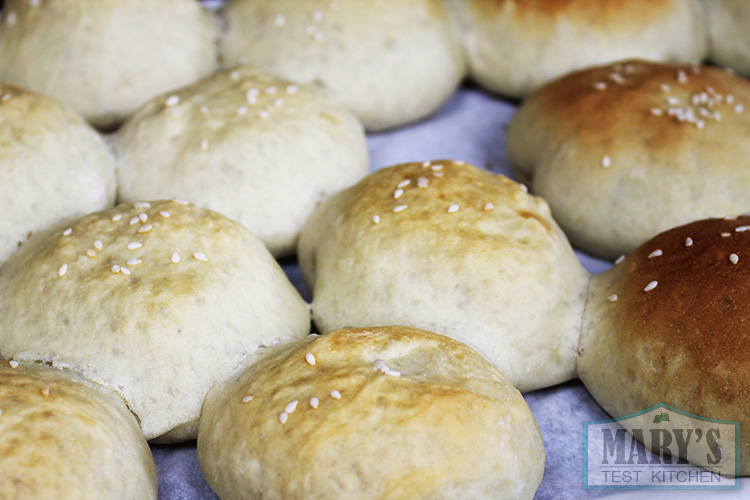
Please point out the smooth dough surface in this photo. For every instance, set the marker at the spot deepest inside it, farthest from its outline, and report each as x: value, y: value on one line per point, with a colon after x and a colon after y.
x: 156, y: 301
x: 729, y: 37
x: 53, y: 166
x: 624, y: 151
x: 66, y: 439
x: 459, y: 251
x: 399, y: 413
x: 104, y: 58
x: 247, y: 144
x: 389, y: 61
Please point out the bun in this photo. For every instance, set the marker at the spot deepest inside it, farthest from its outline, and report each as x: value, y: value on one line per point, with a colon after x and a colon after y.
x: 516, y: 46
x: 247, y: 144
x: 156, y: 301
x: 447, y: 247
x: 400, y: 413
x: 669, y: 325
x: 104, y: 58
x: 66, y: 439
x: 53, y: 167
x: 624, y: 151
x: 389, y: 61
x: 729, y: 38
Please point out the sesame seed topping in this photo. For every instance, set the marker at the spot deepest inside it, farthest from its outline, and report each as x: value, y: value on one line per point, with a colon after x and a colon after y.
x: 453, y: 209
x: 175, y: 257
x: 278, y: 102
x: 650, y: 286
x: 606, y: 161
x: 734, y: 258
x: 681, y: 77
x: 612, y: 298
x: 234, y: 75
x: 739, y: 108
x: 426, y: 164
x: 291, y: 407
x: 13, y: 363
x: 423, y: 182
x: 404, y: 183
x: 263, y: 115
x: 98, y: 244
x: 200, y: 256
x: 133, y: 262
x: 125, y: 271
x: 115, y: 269
x: 204, y: 144
x: 310, y: 358
x: 393, y: 373
x: 726, y: 235
x: 673, y: 101
x: 242, y: 110
x: 280, y: 20
x: 398, y: 193
x: 283, y: 417
x: 656, y: 112
x: 459, y: 162
x: 317, y: 15
x: 1, y: 411
x: 741, y: 229
x: 180, y: 201
x: 116, y: 217
x: 655, y: 253
x: 689, y: 242
x: 664, y: 87
x: 91, y: 253
x: 139, y: 205
x: 11, y: 18
x: 270, y: 90
x: 291, y: 89
x: 335, y: 394
x: 134, y: 220
x: 488, y: 206
x: 247, y: 399
x: 134, y: 245
x: 379, y: 365
x: 143, y: 217
x: 45, y: 392
x: 437, y: 174
x: 376, y: 219
x: 314, y: 402
x: 436, y: 168
x: 63, y: 269
x: 172, y: 100
x: 165, y: 214
x: 204, y: 109
x: 67, y: 231
x: 619, y: 259
x: 145, y: 229
x: 399, y: 208
x: 600, y: 86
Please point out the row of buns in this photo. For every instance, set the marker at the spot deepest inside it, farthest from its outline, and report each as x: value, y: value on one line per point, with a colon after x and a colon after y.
x: 126, y: 52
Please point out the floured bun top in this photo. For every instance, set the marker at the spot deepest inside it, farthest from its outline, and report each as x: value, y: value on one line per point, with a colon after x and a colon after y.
x: 156, y: 301
x: 624, y: 151
x: 445, y: 246
x: 389, y: 412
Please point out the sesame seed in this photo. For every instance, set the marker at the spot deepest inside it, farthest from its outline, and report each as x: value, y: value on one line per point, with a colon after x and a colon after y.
x: 376, y: 219
x: 247, y: 399
x: 335, y: 394
x: 11, y: 18
x: 399, y: 208
x: 314, y: 402
x: 63, y: 269
x: 393, y: 373
x: 656, y: 112
x: 291, y: 407
x: 291, y: 89
x: 620, y: 259
x: 453, y: 209
x: 437, y: 174
x: 143, y: 217
x: 172, y: 100
x: 116, y: 217
x: 242, y: 110
x: 91, y: 253
x: 98, y: 244
x: 204, y: 109
x: 67, y: 231
x: 115, y: 269
x: 1, y: 411
x: 689, y: 242
x: 13, y: 363
x: 180, y: 201
x: 200, y: 256
x: 234, y: 75
x: 134, y: 220
x: 204, y: 144
x: 673, y: 101
x: 681, y: 77
x: 397, y: 193
x: 650, y: 286
x: 283, y: 417
x: 655, y: 253
x: 310, y: 358
x: 317, y: 15
x: 134, y: 245
x: 739, y: 108
x: 459, y: 162
x: 600, y: 86
x: 436, y: 168
x: 741, y: 229
x: 270, y: 90
x: 264, y: 115
x: 125, y: 271
x: 404, y: 183
x: 280, y: 20
x: 278, y: 102
x: 145, y: 229
x: 488, y: 206
x: 733, y: 258
x: 664, y: 87
x: 379, y: 365
x: 165, y: 214
x: 426, y: 164
x: 726, y: 235
x: 139, y: 205
x: 175, y: 257
x: 45, y: 392
x: 423, y: 182
x: 606, y: 161
x: 133, y: 262
x: 612, y: 298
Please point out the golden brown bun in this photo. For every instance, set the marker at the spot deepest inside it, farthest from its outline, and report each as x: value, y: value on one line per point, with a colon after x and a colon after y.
x: 156, y: 301
x: 246, y: 144
x: 670, y: 325
x: 66, y: 439
x: 416, y: 415
x: 433, y: 254
x: 624, y: 151
x: 728, y: 22
x: 103, y: 58
x: 516, y: 46
x: 53, y: 166
x: 389, y: 61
